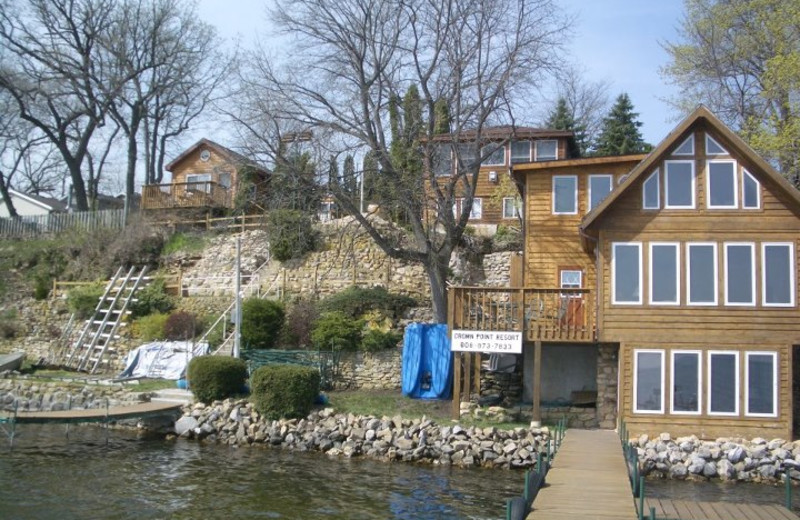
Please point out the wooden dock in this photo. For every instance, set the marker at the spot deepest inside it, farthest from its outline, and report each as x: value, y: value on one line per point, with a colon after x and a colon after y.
x: 690, y: 510
x: 95, y: 414
x: 588, y: 479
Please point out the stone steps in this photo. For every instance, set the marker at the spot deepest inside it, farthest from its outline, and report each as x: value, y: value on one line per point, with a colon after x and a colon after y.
x: 173, y: 395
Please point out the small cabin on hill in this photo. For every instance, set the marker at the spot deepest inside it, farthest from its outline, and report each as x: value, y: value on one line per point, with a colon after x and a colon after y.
x: 660, y: 288
x: 206, y: 175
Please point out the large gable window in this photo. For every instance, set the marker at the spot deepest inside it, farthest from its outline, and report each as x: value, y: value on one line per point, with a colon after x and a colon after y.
x: 664, y: 274
x: 565, y: 194
x: 686, y: 147
x: 761, y: 384
x: 651, y: 192
x: 599, y: 188
x: 777, y: 274
x: 740, y: 279
x: 751, y: 191
x: 722, y: 185
x: 648, y: 389
x: 713, y: 147
x: 626, y: 272
x: 723, y: 383
x: 686, y: 370
x: 701, y: 274
x: 547, y: 150
x: 493, y: 155
x: 679, y: 184
x: 520, y: 152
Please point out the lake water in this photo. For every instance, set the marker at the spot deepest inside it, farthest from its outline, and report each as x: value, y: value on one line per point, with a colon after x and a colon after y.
x: 48, y: 476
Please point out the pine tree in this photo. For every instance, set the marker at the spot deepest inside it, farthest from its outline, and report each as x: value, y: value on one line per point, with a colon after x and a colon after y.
x: 561, y: 118
x: 620, y: 132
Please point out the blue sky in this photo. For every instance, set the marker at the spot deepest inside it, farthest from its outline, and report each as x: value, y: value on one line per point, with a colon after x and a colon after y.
x: 614, y: 40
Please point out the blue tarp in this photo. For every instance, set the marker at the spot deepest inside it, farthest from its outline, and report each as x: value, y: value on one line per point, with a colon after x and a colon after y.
x: 427, y: 362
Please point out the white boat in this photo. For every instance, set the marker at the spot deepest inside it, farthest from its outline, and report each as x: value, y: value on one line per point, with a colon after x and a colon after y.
x: 11, y: 361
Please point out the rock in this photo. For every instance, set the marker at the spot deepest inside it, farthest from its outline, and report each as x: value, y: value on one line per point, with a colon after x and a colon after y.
x: 185, y: 424
x: 735, y: 454
x: 709, y: 470
x: 726, y: 470
x: 678, y: 472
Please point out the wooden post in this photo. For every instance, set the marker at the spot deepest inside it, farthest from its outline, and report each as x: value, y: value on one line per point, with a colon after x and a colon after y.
x: 55, y: 287
x: 456, y: 412
x: 208, y: 220
x: 476, y: 375
x: 537, y: 381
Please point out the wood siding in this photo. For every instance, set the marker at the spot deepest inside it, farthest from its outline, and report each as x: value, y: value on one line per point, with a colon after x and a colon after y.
x: 215, y: 165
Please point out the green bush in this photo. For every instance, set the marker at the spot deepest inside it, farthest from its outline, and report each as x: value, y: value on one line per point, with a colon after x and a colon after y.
x: 9, y: 328
x: 374, y: 340
x: 150, y: 327
x: 337, y: 331
x: 215, y: 377
x: 214, y: 337
x: 184, y: 242
x: 291, y: 234
x: 83, y: 300
x: 181, y: 326
x: 41, y: 286
x: 355, y: 301
x: 151, y: 298
x: 284, y: 391
x: 300, y: 321
x: 262, y: 321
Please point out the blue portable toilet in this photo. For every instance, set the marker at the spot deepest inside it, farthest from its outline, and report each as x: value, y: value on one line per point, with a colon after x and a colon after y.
x: 427, y: 362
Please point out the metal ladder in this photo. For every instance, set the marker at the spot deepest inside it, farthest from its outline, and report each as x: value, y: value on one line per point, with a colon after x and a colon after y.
x: 93, y: 345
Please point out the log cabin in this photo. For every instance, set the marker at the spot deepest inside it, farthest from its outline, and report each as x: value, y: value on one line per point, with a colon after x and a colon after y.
x: 662, y: 285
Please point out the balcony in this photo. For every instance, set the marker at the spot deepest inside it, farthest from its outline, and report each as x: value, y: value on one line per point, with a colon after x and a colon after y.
x: 205, y: 194
x: 541, y: 314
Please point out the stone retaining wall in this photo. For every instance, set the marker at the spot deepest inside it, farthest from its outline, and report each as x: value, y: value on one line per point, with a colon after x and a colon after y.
x: 34, y: 395
x: 370, y: 370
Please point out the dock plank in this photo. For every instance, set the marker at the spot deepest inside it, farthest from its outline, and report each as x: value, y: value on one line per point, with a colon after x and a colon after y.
x: 96, y: 414
x: 690, y: 510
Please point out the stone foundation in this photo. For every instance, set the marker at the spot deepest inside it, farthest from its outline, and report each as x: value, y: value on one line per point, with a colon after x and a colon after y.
x: 370, y: 370
x: 607, y: 382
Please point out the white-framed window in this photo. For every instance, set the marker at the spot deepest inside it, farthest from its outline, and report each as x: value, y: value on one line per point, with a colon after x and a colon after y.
x: 686, y: 390
x: 665, y: 273
x: 442, y: 160
x: 721, y: 188
x: 599, y: 188
x: 546, y: 150
x: 474, y: 214
x: 511, y: 207
x: 751, y: 191
x: 493, y: 155
x: 565, y: 195
x: 570, y: 279
x: 686, y: 147
x: 713, y: 147
x: 225, y: 179
x: 679, y: 185
x: 740, y: 274
x: 777, y: 274
x: 467, y: 158
x: 626, y: 273
x: 648, y: 384
x: 723, y: 382
x: 651, y: 192
x: 199, y: 182
x: 520, y: 152
x: 761, y: 384
x: 701, y: 273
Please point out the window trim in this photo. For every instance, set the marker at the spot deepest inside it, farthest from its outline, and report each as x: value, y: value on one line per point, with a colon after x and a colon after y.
x: 758, y: 190
x: 709, y: 138
x: 677, y: 248
x: 699, y: 355
x: 734, y: 178
x: 511, y: 151
x: 656, y: 174
x: 574, y: 195
x: 516, y: 205
x: 714, y: 247
x: 792, y: 268
x: 536, y: 149
x: 775, y: 402
x: 666, y: 184
x: 737, y: 386
x: 636, y: 353
x: 487, y: 158
x: 610, y: 178
x: 690, y: 140
x: 614, y: 300
x: 752, y: 303
x: 459, y: 205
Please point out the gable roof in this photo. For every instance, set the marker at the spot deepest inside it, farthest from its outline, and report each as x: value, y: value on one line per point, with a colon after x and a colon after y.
x: 700, y: 115
x: 222, y: 150
x: 46, y: 203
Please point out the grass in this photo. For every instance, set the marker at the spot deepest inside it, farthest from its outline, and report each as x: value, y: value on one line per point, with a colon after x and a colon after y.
x: 183, y: 242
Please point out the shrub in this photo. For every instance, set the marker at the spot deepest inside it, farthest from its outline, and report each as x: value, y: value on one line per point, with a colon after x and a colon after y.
x: 215, y: 377
x: 41, y: 286
x: 355, y: 301
x: 300, y: 321
x: 183, y: 242
x: 291, y: 234
x: 337, y: 331
x: 374, y: 340
x: 150, y: 327
x: 181, y: 326
x: 214, y: 337
x: 8, y: 324
x: 262, y: 321
x: 82, y: 300
x: 151, y: 298
x: 284, y: 391
x: 507, y: 238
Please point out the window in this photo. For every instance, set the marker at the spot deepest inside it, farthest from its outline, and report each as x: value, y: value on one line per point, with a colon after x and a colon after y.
x: 777, y: 274
x: 477, y: 208
x: 751, y: 191
x: 520, y: 152
x: 199, y: 182
x: 686, y: 147
x: 511, y: 207
x: 599, y: 188
x: 442, y: 160
x: 648, y: 388
x: 565, y: 194
x: 493, y: 155
x: 740, y: 279
x: 713, y: 147
x: 570, y: 279
x: 761, y: 384
x: 679, y: 184
x: 626, y: 261
x: 466, y: 157
x: 664, y: 274
x: 701, y: 274
x: 651, y: 192
x: 225, y: 180
x: 546, y: 150
x: 721, y: 182
x: 723, y: 383
x: 686, y: 394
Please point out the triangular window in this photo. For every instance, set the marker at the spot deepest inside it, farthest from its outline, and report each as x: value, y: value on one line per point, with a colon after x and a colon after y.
x: 713, y: 147
x: 686, y: 147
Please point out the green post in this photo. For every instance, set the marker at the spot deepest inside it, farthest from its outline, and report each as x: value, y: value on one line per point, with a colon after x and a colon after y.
x: 549, y: 453
x: 788, y: 479
x: 652, y: 513
x: 508, y: 509
x: 539, y: 462
x: 526, y: 492
x: 641, y: 498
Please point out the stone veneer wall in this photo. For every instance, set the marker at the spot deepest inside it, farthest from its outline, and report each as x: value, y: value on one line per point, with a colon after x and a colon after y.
x: 370, y: 370
x: 607, y: 382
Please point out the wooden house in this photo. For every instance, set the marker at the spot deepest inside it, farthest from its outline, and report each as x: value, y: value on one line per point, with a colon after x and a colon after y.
x: 206, y: 175
x: 665, y: 284
x: 30, y: 205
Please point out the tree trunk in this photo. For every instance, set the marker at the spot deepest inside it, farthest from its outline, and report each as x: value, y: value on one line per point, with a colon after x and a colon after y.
x: 133, y: 151
x: 436, y: 267
x: 78, y: 186
x: 12, y: 211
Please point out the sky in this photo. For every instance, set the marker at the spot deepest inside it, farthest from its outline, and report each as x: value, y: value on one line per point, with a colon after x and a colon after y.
x: 618, y: 41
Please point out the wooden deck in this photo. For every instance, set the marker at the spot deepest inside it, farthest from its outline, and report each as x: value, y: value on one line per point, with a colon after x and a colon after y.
x: 689, y: 510
x: 588, y: 479
x: 95, y: 414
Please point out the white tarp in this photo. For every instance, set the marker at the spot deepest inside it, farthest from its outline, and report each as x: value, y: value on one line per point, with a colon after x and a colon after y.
x: 162, y: 359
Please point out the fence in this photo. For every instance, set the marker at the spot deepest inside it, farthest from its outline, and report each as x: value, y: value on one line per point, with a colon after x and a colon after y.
x: 40, y: 225
x: 327, y: 362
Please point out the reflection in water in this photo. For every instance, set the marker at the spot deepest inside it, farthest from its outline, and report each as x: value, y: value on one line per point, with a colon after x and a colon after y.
x: 49, y: 476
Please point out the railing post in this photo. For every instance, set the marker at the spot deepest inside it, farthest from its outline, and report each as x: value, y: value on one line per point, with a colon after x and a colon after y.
x: 788, y: 486
x: 641, y: 498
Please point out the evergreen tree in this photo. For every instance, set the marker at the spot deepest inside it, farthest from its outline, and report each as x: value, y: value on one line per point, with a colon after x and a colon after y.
x: 561, y: 118
x: 620, y: 132
x: 349, y: 180
x: 442, y: 117
x: 294, y: 172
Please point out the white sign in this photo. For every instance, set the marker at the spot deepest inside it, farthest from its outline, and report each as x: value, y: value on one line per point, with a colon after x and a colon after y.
x: 491, y: 342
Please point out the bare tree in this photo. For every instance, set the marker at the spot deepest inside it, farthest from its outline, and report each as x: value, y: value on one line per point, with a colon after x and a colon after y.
x: 348, y: 58
x: 587, y: 102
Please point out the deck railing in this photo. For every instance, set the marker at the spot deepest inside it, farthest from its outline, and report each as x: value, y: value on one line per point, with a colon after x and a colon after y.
x: 186, y: 195
x: 547, y: 314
